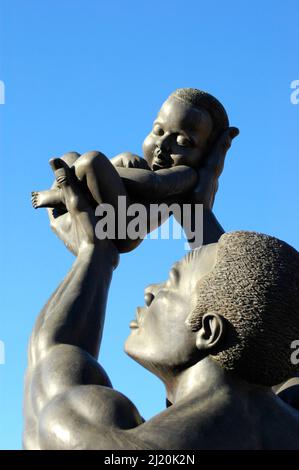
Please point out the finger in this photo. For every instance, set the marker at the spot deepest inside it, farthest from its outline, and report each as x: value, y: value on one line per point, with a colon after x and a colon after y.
x: 234, y: 131
x: 76, y: 203
x: 62, y: 227
x: 223, y: 143
x: 226, y: 138
x: 60, y: 169
x: 215, y: 161
x: 68, y: 184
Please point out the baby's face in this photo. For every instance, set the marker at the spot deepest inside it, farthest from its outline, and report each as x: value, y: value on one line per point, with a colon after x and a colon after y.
x: 179, y: 136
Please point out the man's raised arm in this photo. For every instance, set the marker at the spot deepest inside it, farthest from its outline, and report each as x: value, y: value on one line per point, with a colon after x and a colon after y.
x: 69, y: 402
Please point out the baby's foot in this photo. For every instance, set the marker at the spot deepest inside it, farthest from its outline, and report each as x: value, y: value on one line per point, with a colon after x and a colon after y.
x: 51, y: 198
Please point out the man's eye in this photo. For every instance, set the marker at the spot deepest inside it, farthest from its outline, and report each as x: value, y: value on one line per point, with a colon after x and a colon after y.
x: 183, y: 141
x: 157, y: 130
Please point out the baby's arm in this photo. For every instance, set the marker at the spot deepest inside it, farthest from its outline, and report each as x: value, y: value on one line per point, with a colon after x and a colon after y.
x: 158, y: 185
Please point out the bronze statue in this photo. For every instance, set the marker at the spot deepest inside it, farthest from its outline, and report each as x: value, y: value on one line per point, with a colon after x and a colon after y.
x: 184, y: 142
x: 218, y: 350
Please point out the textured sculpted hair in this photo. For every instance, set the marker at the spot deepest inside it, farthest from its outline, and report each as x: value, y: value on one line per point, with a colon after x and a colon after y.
x: 254, y: 285
x: 202, y: 100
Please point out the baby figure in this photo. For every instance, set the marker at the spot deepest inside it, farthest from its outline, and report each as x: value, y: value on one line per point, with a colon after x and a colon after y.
x: 187, y: 126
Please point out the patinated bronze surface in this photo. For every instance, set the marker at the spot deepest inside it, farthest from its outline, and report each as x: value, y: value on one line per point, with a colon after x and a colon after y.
x: 217, y: 332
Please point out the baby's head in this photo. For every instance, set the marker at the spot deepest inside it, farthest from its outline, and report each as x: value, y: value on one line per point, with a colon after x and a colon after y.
x: 185, y: 129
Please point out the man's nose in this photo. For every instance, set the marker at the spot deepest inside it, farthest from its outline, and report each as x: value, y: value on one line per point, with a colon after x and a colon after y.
x: 148, y: 298
x: 150, y: 293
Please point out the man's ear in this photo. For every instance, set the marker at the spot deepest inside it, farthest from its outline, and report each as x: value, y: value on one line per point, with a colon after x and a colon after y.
x: 211, y: 331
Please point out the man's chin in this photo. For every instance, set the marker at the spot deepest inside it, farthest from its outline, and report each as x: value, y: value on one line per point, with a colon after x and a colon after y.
x: 129, y: 348
x: 146, y: 363
x: 135, y: 351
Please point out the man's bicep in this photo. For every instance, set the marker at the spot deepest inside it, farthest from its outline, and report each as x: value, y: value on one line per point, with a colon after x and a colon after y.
x: 88, y: 417
x: 63, y: 368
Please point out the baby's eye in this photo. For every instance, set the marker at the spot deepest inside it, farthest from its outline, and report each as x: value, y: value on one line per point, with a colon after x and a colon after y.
x: 157, y: 130
x: 183, y: 141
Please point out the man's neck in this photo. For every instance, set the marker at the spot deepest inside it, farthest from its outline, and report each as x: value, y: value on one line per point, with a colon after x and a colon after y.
x: 203, y: 378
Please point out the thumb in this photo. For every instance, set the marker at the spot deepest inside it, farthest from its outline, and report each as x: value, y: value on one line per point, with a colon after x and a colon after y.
x: 228, y: 135
x: 233, y: 132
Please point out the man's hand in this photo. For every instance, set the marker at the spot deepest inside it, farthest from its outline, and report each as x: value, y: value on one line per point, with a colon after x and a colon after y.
x: 206, y: 188
x: 76, y: 228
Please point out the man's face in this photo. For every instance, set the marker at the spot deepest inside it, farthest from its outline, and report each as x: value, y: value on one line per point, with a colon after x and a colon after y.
x: 160, y: 340
x: 179, y: 136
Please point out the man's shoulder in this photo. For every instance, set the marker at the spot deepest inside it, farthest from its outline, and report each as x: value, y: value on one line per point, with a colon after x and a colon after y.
x: 104, y: 405
x: 88, y: 416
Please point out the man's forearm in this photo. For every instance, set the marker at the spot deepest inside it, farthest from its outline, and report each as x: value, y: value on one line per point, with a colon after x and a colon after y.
x: 75, y: 313
x: 212, y: 230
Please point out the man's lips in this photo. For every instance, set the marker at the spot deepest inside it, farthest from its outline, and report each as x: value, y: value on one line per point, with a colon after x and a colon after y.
x: 134, y: 324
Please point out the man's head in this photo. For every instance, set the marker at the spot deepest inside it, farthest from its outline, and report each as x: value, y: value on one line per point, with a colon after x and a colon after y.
x: 187, y: 125
x: 236, y: 301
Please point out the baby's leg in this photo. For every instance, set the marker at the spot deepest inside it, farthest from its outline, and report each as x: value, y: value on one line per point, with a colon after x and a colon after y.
x: 105, y: 185
x: 54, y: 196
x: 101, y: 178
x: 97, y: 173
x: 50, y: 198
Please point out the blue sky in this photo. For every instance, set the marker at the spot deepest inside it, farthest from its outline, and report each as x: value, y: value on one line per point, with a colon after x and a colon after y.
x: 82, y: 75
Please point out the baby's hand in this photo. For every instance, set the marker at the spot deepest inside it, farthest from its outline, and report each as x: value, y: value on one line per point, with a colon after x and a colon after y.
x: 129, y: 160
